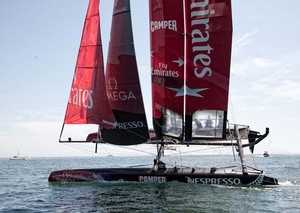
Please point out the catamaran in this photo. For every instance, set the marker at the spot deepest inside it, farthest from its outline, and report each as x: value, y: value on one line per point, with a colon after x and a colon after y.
x: 266, y: 154
x: 17, y: 157
x: 190, y: 44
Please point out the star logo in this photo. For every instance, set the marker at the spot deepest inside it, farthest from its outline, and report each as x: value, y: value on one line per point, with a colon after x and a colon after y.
x: 188, y: 91
x: 179, y: 61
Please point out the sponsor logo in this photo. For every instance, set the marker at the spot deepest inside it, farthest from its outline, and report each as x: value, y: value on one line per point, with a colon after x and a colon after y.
x: 200, y: 38
x: 166, y: 24
x: 130, y: 125
x: 158, y: 179
x: 114, y: 94
x: 165, y: 73
x: 162, y: 70
x: 120, y: 96
x: 81, y: 97
x: 219, y: 181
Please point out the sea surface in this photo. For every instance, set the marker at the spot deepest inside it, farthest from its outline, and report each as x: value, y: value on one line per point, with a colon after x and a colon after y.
x: 24, y: 188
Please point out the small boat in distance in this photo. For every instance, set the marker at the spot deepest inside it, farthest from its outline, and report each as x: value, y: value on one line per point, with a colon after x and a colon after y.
x: 266, y: 154
x: 17, y: 157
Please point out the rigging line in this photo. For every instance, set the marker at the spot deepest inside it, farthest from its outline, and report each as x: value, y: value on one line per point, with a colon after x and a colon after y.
x: 79, y: 148
x: 231, y: 142
x: 61, y: 131
x: 132, y: 149
x: 102, y: 146
x: 252, y: 156
x: 180, y: 154
x: 198, y: 150
x: 158, y: 124
x: 232, y: 109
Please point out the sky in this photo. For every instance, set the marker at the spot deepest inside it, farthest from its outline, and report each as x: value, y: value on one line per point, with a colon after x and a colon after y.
x: 39, y: 43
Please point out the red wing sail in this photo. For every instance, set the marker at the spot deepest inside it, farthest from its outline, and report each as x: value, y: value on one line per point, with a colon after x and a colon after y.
x: 167, y: 65
x: 208, y: 55
x: 88, y: 100
x: 190, y: 59
x: 123, y: 85
x: 209, y: 30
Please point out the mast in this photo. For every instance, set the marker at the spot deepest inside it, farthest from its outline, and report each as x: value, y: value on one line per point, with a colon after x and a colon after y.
x: 158, y: 164
x: 240, y: 148
x: 186, y: 131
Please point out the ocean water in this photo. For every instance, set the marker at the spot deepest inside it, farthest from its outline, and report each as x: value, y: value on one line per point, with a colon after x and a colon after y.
x: 24, y: 188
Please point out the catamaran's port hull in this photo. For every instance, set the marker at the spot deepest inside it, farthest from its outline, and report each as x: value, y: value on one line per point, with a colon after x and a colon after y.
x: 186, y: 175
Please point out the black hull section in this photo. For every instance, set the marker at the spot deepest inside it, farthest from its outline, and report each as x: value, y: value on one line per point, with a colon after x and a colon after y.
x: 185, y: 175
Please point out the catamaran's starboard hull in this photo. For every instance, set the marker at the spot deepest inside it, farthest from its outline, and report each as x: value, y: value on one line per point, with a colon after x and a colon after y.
x: 185, y: 175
